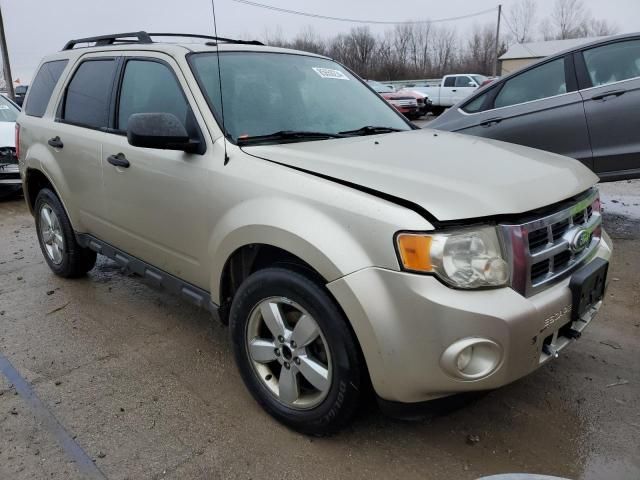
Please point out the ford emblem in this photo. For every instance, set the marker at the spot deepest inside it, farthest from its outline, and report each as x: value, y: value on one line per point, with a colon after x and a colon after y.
x: 580, y: 240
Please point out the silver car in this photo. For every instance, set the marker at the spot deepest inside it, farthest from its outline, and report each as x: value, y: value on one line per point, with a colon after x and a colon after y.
x: 581, y: 103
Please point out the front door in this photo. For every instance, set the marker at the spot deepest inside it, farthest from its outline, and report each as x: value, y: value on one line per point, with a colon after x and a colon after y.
x: 534, y: 109
x: 157, y: 205
x: 612, y: 105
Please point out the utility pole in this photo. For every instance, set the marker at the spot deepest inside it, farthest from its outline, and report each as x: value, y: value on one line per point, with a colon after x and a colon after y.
x: 6, y: 68
x: 495, y: 65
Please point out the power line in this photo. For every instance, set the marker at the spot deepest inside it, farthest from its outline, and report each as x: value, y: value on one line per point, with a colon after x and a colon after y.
x: 355, y: 20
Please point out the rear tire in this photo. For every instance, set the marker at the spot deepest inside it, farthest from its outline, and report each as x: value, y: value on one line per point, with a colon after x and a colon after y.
x: 65, y: 257
x: 295, y: 351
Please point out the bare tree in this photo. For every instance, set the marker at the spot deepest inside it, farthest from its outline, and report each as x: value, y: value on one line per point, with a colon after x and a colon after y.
x: 522, y: 18
x: 479, y: 54
x: 444, y: 46
x: 571, y: 19
x: 308, y: 40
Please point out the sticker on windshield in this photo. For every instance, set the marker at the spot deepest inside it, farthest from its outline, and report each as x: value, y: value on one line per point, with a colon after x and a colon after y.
x: 330, y: 73
x: 4, y: 107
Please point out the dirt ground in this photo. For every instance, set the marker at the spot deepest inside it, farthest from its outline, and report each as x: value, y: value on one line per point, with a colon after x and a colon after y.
x: 108, y: 377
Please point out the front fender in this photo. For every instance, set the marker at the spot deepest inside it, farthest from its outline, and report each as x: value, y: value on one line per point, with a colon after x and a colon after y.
x: 298, y: 228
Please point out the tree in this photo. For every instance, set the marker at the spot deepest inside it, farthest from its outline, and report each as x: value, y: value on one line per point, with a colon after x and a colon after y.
x: 522, y: 18
x: 571, y: 19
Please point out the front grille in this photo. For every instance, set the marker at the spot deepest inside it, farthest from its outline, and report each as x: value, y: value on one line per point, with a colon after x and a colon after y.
x: 405, y: 103
x: 545, y: 250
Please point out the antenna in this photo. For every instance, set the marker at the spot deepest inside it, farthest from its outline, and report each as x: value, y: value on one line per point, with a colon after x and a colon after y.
x: 224, y: 130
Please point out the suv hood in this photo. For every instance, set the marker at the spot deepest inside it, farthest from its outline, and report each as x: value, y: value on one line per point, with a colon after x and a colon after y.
x: 450, y: 175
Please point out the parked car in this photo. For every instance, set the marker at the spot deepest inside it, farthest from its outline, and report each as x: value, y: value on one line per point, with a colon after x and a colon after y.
x: 423, y: 100
x: 405, y: 103
x: 451, y: 90
x: 582, y: 103
x: 10, y: 182
x: 20, y: 92
x: 343, y: 246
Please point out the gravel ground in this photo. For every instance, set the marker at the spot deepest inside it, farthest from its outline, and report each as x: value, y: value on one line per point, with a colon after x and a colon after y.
x: 145, y: 386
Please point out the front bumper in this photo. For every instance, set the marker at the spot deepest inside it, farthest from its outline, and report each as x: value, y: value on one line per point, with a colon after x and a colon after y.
x: 405, y: 322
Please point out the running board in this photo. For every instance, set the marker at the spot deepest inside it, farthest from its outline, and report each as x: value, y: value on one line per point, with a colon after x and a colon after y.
x: 158, y: 278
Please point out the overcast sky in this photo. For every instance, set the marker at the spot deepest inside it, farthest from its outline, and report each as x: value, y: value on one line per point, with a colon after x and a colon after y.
x: 35, y: 28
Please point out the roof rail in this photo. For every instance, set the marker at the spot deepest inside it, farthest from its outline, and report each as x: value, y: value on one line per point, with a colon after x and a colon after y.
x: 145, y: 38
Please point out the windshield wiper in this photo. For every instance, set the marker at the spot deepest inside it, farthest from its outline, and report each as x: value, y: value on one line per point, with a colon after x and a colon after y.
x: 370, y: 130
x: 288, y: 135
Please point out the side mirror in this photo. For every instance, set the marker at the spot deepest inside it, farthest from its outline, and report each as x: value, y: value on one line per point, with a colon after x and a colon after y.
x: 473, y: 84
x: 159, y: 130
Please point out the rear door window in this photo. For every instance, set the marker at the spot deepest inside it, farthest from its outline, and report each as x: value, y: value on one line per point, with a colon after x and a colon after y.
x: 613, y: 63
x: 42, y: 87
x: 545, y: 81
x: 88, y: 94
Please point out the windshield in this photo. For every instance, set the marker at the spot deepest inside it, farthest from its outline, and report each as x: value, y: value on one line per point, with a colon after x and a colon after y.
x: 266, y: 93
x: 8, y: 111
x: 479, y: 78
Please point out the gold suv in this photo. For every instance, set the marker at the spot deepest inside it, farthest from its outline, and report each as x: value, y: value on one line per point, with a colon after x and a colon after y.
x: 343, y: 246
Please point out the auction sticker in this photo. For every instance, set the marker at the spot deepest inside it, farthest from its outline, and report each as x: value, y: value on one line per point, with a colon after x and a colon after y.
x: 330, y: 73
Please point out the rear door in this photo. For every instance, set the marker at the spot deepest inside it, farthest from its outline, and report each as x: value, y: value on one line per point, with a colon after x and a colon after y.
x: 539, y: 108
x: 610, y: 77
x: 74, y: 139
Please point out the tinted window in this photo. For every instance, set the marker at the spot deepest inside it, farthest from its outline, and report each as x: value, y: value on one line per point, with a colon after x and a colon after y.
x: 450, y: 82
x: 463, y: 82
x: 43, y: 86
x: 87, y: 99
x: 613, y: 63
x: 541, y: 82
x: 475, y: 105
x: 151, y: 87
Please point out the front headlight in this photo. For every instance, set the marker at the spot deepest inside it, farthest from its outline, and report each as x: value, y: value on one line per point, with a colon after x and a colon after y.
x: 464, y: 259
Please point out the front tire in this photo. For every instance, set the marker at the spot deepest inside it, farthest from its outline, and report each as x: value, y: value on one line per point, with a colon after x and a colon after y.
x: 295, y: 351
x: 65, y: 257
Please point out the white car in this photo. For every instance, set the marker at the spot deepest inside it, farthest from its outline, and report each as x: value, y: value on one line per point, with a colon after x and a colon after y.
x: 452, y: 89
x: 10, y: 182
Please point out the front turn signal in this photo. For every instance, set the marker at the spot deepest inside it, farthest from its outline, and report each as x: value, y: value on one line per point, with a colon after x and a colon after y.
x: 415, y: 252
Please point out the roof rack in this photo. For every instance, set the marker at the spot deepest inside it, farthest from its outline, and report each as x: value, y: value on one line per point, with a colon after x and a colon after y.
x: 142, y: 37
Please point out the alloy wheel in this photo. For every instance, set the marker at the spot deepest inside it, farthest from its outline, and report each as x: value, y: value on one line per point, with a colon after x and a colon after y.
x: 51, y: 233
x: 289, y: 353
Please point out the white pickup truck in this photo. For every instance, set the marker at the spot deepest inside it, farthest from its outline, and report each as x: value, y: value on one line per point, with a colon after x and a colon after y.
x: 452, y: 89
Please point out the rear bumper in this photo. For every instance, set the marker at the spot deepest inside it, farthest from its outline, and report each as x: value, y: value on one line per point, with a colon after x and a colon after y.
x: 10, y: 175
x: 406, y: 322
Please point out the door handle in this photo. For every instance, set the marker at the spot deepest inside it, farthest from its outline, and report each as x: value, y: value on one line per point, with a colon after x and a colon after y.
x: 55, y: 142
x: 610, y: 93
x: 454, y: 90
x: 491, y: 122
x: 118, y: 160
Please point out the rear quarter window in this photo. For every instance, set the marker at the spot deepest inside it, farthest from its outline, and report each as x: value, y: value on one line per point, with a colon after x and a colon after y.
x: 42, y: 87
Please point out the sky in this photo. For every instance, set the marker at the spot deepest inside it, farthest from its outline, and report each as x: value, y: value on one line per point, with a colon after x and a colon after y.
x: 35, y: 28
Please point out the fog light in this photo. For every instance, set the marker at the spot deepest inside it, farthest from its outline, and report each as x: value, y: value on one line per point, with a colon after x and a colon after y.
x: 471, y: 358
x: 464, y: 357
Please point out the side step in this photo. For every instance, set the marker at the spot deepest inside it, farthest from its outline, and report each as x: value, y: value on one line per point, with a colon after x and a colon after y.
x: 159, y: 278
